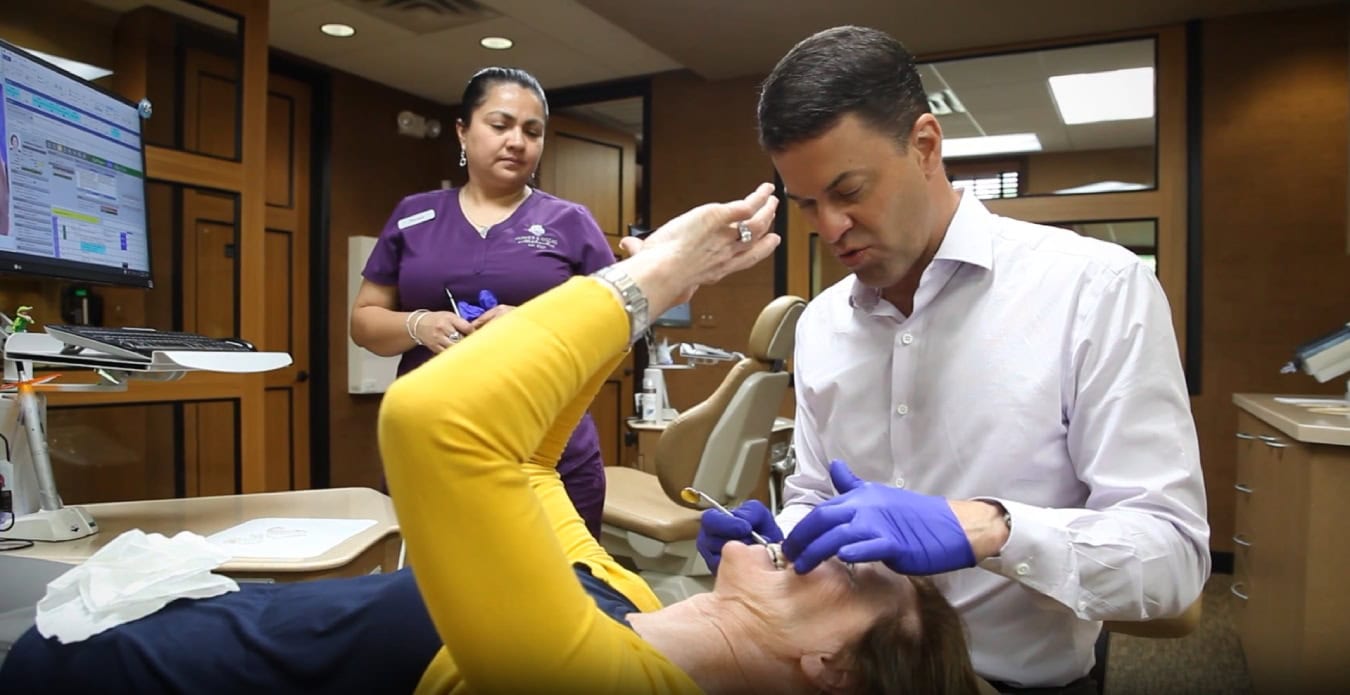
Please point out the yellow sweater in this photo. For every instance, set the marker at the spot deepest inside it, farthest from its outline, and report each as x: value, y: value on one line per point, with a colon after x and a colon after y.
x: 470, y: 441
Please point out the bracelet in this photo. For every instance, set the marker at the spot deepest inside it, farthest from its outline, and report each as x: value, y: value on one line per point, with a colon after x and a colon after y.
x: 411, y: 322
x: 630, y: 295
x: 418, y: 322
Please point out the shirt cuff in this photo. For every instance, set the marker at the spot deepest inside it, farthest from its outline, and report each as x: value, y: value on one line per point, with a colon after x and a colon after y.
x: 1036, y: 551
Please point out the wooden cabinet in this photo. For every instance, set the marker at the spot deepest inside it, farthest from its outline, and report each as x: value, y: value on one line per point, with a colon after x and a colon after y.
x: 1291, y: 607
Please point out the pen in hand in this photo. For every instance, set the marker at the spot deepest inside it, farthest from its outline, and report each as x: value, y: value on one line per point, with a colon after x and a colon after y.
x: 454, y: 306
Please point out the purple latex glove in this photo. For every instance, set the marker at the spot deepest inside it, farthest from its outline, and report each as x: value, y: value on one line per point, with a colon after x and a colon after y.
x: 487, y: 299
x: 717, y: 528
x: 870, y: 522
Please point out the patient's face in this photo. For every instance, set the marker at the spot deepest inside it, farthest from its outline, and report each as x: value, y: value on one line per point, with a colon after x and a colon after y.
x: 825, y: 609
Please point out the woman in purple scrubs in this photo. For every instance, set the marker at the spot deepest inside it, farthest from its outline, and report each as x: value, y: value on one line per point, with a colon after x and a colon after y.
x: 495, y: 233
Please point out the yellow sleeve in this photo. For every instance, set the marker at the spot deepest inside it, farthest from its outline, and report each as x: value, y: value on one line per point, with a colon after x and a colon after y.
x: 577, y: 542
x: 455, y: 435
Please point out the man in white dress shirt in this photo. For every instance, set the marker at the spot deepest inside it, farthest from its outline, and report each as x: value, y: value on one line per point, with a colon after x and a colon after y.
x: 1012, y: 392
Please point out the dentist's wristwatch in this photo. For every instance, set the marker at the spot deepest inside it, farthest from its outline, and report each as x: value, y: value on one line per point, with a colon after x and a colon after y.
x: 634, y: 301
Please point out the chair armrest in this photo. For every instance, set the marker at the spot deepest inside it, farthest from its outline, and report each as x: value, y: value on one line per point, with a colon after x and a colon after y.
x: 1160, y: 628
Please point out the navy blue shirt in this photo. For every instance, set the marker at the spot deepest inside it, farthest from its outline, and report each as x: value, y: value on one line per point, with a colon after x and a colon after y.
x: 361, y: 635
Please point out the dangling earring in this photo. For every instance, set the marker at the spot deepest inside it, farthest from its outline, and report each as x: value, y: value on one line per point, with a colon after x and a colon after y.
x: 463, y: 161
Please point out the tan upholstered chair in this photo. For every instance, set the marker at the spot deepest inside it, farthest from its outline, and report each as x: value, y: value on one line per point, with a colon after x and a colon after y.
x: 719, y: 446
x: 1159, y: 628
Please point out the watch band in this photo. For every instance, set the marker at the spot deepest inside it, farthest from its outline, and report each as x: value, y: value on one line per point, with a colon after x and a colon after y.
x: 634, y: 301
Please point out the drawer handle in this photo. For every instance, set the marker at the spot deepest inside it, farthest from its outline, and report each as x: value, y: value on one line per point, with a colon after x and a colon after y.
x: 1244, y: 435
x: 1234, y: 589
x: 1243, y: 488
x: 1275, y: 443
x: 1267, y: 437
x: 1241, y: 540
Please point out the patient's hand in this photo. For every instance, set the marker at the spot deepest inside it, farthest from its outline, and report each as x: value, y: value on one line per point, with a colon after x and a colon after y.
x: 701, y: 247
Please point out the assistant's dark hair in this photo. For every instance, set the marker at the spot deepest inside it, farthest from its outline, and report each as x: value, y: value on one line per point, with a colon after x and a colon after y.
x: 475, y: 93
x: 894, y: 657
x: 836, y: 72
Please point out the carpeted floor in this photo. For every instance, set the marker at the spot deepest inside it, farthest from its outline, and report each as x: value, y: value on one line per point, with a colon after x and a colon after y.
x: 1208, y: 660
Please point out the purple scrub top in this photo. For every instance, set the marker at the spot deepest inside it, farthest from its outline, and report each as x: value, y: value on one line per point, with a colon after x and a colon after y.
x: 429, y: 246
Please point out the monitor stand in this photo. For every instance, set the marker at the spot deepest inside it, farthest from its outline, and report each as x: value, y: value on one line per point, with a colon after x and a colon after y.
x: 47, y: 518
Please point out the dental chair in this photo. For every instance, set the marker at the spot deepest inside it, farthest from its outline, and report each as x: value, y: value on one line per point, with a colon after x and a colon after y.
x: 1158, y: 628
x: 719, y: 446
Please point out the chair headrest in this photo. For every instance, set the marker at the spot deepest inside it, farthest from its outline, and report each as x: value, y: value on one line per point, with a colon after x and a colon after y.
x: 776, y: 329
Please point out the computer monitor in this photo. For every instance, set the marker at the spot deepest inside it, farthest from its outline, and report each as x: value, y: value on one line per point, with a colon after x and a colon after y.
x: 72, y: 189
x: 677, y: 316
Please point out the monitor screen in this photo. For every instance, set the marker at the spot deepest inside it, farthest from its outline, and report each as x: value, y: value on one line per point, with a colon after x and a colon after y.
x: 72, y: 177
x: 675, y: 317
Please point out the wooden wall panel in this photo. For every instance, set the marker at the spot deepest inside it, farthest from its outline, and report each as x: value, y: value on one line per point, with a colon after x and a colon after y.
x: 211, y: 447
x: 371, y: 169
x: 1276, y: 271
x: 607, y: 410
x: 281, y: 128
x: 279, y: 474
x: 704, y: 147
x: 112, y: 453
x: 595, y: 166
x: 211, y: 100
x: 585, y: 170
x: 71, y: 28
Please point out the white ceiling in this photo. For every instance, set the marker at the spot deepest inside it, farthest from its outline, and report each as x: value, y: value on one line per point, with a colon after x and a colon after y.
x: 1010, y: 93
x: 430, y: 47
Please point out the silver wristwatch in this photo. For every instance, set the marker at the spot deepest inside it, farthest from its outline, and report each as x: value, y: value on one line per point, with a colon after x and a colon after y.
x: 634, y: 301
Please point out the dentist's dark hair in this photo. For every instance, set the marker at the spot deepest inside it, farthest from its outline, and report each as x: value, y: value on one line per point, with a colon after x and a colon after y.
x: 476, y: 91
x: 837, y: 72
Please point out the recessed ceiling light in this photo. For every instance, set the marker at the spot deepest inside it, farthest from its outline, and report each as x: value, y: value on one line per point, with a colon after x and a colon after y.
x: 990, y: 144
x: 496, y: 43
x: 1114, y: 95
x: 341, y: 31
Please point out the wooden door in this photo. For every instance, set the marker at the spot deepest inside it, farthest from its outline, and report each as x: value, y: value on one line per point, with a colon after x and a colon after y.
x: 286, y: 326
x: 597, y: 167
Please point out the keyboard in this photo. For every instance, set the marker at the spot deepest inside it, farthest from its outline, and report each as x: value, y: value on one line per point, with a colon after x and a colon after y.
x: 138, y: 343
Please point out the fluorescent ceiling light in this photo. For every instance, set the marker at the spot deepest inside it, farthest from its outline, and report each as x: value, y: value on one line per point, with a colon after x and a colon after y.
x: 953, y: 148
x: 84, y: 70
x: 1105, y: 187
x: 1093, y: 97
x: 496, y: 43
x: 341, y: 31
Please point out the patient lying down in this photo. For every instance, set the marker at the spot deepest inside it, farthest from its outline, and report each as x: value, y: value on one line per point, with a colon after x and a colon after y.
x: 510, y: 592
x: 873, y: 632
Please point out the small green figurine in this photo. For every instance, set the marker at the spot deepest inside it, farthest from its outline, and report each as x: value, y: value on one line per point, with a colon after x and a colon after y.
x: 22, y: 320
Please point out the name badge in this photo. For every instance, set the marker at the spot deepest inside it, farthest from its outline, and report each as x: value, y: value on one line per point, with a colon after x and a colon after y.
x: 419, y: 218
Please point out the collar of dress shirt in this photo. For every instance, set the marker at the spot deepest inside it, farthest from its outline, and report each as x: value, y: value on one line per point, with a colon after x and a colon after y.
x: 968, y: 240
